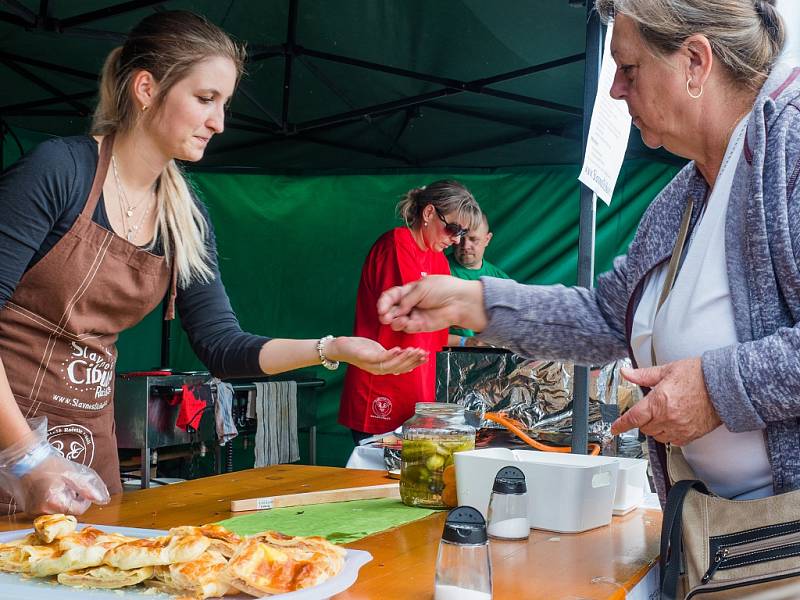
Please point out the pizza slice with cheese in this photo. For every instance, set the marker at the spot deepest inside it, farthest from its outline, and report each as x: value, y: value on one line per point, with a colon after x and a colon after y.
x: 51, y: 527
x: 199, y: 579
x: 105, y: 577
x: 272, y: 563
x: 222, y: 540
x: 149, y: 552
x: 80, y: 550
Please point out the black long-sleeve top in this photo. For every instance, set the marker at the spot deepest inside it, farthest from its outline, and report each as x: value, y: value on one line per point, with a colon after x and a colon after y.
x: 41, y: 196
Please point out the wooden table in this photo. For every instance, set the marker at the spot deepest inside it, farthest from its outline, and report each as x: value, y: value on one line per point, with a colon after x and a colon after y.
x: 599, y: 564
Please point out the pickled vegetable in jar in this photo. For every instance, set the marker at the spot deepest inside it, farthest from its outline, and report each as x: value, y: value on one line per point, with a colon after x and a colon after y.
x: 430, y: 438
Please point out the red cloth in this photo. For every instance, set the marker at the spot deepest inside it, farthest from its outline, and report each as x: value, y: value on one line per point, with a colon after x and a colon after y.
x: 191, y: 408
x: 379, y: 403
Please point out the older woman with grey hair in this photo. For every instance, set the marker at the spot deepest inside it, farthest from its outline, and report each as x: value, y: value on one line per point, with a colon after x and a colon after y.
x: 718, y: 345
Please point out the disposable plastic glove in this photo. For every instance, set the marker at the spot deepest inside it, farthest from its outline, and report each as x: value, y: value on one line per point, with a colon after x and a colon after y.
x: 42, y: 481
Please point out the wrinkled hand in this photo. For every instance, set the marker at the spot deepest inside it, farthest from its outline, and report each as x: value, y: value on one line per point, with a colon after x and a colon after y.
x: 677, y: 410
x: 432, y: 303
x: 370, y: 356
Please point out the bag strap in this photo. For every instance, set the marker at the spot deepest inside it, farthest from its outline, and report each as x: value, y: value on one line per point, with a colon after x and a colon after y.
x: 672, y: 270
x: 671, y: 556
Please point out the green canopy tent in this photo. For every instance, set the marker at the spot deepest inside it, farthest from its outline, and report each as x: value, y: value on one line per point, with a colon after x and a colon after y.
x: 345, y: 106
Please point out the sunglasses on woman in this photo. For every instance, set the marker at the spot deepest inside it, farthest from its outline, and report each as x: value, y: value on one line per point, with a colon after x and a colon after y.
x: 452, y: 229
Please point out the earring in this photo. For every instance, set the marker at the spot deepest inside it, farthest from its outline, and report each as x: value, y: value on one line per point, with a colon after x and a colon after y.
x: 144, y: 107
x: 688, y: 91
x: 426, y: 223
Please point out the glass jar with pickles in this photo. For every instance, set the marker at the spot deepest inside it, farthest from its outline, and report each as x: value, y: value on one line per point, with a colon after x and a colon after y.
x: 430, y: 438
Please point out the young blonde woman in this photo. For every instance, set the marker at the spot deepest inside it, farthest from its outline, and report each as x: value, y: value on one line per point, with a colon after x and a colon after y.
x: 96, y: 231
x: 435, y: 216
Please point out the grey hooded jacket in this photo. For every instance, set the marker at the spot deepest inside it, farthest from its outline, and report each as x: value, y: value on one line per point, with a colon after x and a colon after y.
x: 754, y: 384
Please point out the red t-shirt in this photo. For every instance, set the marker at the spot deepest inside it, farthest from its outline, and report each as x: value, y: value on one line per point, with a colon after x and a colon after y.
x: 380, y: 403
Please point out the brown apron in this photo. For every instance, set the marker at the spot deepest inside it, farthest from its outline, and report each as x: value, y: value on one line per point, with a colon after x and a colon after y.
x: 58, y: 333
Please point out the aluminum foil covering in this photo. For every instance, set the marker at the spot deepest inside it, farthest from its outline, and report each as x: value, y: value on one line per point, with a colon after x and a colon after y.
x: 536, y: 393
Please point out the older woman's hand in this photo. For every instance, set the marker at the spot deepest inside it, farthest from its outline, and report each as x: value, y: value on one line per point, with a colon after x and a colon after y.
x: 433, y: 303
x: 677, y: 409
x: 370, y: 356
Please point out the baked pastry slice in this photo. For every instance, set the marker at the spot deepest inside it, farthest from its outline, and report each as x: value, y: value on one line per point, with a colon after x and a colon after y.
x: 15, y: 555
x: 51, y: 527
x: 261, y: 566
x: 222, y: 540
x: 334, y: 554
x: 80, y: 550
x: 105, y: 577
x: 148, y: 552
x: 198, y: 579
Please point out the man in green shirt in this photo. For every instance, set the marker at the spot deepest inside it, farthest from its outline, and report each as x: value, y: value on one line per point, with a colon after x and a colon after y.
x: 467, y: 262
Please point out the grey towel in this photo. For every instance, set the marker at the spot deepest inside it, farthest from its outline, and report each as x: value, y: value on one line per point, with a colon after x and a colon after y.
x: 276, y: 427
x: 223, y: 412
x: 251, y: 404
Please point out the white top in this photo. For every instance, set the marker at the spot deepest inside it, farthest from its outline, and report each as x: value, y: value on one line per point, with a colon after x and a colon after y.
x: 698, y: 316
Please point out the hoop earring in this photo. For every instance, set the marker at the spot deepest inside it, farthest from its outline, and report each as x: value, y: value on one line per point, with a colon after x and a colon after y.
x: 688, y: 91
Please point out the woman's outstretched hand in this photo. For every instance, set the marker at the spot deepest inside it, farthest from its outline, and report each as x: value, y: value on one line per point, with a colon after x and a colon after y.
x: 432, y: 303
x: 370, y: 356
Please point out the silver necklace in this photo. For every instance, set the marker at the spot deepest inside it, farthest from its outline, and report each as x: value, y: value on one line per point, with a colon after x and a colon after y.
x: 127, y: 209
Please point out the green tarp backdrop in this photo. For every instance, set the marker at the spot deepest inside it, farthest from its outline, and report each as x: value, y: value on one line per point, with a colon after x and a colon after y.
x: 291, y: 249
x: 398, y: 94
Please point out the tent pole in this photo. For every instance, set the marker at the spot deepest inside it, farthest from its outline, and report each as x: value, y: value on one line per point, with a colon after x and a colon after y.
x: 591, y: 74
x: 291, y: 43
x: 2, y: 143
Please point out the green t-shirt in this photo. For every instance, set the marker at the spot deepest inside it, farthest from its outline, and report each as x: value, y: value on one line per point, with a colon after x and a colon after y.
x: 487, y: 270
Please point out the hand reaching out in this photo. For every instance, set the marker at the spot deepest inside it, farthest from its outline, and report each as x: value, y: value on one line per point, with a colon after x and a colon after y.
x: 432, y: 303
x: 370, y: 356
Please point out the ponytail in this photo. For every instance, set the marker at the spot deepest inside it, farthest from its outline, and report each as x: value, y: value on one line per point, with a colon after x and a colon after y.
x: 408, y: 208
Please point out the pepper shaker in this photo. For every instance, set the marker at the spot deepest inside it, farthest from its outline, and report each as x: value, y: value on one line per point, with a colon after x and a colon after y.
x: 463, y: 565
x: 508, y: 506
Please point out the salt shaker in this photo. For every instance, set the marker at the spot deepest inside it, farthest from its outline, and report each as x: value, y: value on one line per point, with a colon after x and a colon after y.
x: 463, y: 566
x: 508, y: 506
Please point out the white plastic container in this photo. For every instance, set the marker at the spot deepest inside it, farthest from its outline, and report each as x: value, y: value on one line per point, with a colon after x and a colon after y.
x: 632, y: 484
x: 567, y: 493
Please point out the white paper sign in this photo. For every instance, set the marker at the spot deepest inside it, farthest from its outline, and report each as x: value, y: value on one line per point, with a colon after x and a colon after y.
x: 608, y: 132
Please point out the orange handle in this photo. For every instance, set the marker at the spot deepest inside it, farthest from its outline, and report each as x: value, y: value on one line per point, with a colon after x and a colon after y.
x: 518, y: 429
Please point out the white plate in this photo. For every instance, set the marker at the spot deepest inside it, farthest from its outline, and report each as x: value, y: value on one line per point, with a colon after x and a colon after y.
x: 14, y: 587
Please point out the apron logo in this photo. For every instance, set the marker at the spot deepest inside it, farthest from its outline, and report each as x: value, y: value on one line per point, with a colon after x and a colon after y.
x: 74, y: 442
x: 89, y: 369
x: 381, y: 407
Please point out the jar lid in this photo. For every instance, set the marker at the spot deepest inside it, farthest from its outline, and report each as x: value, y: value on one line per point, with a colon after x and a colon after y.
x: 510, y: 480
x: 464, y: 525
x: 438, y: 408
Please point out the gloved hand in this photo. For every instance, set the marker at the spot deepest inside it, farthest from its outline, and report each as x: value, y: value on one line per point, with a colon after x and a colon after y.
x: 42, y: 481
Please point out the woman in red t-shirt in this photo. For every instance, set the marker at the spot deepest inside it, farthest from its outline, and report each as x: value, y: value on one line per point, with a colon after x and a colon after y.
x: 436, y: 216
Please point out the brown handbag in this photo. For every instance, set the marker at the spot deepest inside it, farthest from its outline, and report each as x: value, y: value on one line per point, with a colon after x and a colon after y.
x: 715, y: 548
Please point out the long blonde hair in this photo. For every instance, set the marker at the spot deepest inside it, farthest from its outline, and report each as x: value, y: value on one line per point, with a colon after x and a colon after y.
x: 167, y: 45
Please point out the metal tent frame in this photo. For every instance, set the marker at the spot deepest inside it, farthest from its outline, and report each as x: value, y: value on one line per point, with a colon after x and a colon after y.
x: 272, y: 129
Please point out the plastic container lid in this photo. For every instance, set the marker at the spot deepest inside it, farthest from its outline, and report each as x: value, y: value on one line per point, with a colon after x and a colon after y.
x: 510, y: 480
x: 465, y: 525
